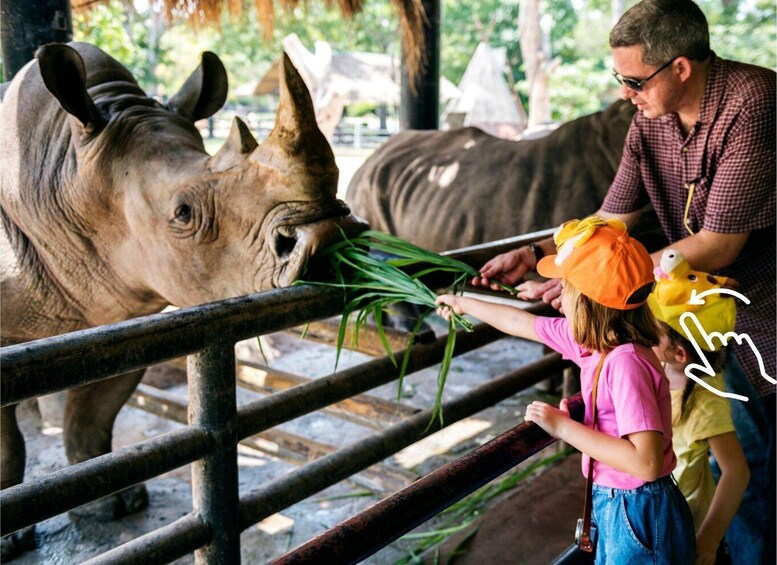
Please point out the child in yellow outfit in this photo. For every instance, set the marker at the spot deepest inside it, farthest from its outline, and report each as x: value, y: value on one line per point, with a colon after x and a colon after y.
x: 701, y: 419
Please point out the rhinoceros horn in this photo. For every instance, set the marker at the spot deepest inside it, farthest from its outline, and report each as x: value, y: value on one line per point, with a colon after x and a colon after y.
x: 238, y: 145
x: 296, y: 146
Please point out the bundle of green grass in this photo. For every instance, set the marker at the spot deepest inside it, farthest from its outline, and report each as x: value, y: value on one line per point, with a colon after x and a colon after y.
x: 372, y: 285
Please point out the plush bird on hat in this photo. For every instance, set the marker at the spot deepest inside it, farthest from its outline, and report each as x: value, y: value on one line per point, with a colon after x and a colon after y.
x: 671, y: 297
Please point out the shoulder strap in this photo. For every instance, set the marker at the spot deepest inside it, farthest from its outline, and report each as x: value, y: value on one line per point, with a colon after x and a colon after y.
x: 585, y: 536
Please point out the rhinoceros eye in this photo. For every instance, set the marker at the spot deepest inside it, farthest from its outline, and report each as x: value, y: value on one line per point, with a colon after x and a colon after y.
x: 183, y: 213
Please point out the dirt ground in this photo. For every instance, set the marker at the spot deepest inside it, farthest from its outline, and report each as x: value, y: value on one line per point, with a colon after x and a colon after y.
x: 63, y: 541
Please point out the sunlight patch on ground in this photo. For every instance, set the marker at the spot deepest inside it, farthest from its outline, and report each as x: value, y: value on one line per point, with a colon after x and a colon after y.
x: 440, y: 442
x: 275, y: 524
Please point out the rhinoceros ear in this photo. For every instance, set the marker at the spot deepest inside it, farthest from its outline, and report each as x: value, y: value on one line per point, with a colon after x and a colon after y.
x: 239, y: 144
x: 64, y: 75
x: 204, y: 92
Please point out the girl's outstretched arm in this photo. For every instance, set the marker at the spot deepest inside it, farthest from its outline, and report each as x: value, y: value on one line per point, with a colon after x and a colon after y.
x: 640, y: 454
x: 734, y: 476
x: 510, y: 320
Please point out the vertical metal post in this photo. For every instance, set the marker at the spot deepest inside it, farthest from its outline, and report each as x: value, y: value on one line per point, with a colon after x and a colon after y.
x: 26, y: 25
x: 421, y: 109
x: 213, y: 407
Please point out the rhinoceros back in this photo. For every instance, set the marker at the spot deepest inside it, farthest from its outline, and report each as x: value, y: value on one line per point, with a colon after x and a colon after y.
x: 452, y: 189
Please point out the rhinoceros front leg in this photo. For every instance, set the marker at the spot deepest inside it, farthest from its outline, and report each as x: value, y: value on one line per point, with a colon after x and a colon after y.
x: 90, y: 412
x: 12, y: 456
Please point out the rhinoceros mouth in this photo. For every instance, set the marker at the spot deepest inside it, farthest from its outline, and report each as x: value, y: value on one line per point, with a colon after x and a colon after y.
x: 297, y: 238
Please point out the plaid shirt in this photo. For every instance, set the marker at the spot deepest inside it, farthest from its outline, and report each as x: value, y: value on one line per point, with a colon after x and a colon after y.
x: 729, y: 157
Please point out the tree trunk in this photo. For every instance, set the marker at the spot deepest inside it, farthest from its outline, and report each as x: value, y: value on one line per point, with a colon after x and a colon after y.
x: 538, y: 65
x: 157, y: 26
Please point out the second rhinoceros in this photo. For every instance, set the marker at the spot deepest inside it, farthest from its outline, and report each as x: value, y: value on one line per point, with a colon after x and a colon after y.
x: 111, y: 209
x: 452, y: 189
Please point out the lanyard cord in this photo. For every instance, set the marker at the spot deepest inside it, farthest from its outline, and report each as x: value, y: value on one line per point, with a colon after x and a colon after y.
x: 690, y: 187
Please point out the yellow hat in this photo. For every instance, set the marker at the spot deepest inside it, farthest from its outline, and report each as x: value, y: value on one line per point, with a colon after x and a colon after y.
x: 671, y: 298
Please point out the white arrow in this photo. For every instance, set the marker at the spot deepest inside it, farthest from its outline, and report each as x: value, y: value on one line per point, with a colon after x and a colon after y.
x: 697, y: 298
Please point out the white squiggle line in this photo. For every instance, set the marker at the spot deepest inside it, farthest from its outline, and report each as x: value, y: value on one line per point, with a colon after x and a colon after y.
x: 706, y: 367
x: 696, y: 297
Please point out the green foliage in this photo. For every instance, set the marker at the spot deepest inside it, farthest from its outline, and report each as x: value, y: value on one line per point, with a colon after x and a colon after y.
x: 740, y: 29
x: 122, y: 33
x: 359, y: 109
x: 460, y: 35
x: 372, y: 285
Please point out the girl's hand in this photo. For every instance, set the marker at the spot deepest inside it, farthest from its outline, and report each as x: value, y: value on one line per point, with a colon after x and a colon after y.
x: 706, y: 550
x: 446, y: 303
x: 547, y: 417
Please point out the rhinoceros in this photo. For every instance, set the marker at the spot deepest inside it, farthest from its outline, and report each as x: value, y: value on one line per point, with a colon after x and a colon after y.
x: 111, y: 209
x: 452, y: 189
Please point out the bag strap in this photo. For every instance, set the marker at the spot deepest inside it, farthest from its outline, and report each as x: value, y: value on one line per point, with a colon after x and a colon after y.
x: 585, y: 536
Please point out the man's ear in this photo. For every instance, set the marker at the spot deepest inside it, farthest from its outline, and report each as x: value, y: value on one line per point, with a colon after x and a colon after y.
x: 683, y: 68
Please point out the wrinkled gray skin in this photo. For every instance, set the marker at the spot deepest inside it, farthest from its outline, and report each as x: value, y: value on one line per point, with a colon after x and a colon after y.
x: 112, y: 209
x: 445, y: 190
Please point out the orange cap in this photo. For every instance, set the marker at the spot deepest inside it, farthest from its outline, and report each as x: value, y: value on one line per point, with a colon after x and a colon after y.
x: 606, y: 265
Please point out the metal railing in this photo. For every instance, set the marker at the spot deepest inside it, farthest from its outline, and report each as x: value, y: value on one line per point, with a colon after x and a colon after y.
x: 373, y: 529
x: 216, y: 423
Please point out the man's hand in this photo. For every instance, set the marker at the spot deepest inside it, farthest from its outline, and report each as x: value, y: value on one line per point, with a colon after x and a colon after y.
x: 547, y: 417
x: 549, y: 291
x: 507, y: 267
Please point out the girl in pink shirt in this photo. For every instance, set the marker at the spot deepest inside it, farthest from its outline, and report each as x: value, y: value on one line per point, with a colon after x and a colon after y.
x: 640, y: 514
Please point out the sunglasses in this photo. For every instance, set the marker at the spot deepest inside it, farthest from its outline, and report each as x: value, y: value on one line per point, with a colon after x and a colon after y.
x: 635, y: 84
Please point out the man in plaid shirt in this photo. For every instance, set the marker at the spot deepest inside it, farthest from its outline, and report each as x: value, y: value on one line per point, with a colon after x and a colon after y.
x: 701, y: 150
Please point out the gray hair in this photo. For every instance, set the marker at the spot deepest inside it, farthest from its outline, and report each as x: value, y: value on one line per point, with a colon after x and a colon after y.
x: 664, y: 29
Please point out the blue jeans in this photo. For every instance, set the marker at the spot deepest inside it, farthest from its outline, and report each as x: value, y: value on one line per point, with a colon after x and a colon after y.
x: 650, y: 524
x: 750, y: 537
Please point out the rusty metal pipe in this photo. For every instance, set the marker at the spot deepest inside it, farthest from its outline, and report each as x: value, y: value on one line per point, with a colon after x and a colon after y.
x: 212, y: 407
x: 259, y: 415
x: 297, y: 485
x: 162, y: 545
x: 264, y: 413
x: 383, y: 522
x: 41, y: 498
x: 57, y: 363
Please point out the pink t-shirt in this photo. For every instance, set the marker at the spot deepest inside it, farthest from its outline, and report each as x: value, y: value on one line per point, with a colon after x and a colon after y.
x: 633, y: 395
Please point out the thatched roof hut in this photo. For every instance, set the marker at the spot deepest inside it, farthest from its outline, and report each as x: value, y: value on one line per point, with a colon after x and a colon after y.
x: 486, y: 100
x: 198, y: 12
x: 356, y: 76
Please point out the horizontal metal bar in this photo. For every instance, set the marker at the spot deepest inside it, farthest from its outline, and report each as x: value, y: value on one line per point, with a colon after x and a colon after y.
x: 365, y: 410
x: 43, y: 497
x: 263, y: 413
x: 500, y: 245
x: 297, y: 485
x: 162, y: 545
x: 369, y: 531
x: 57, y: 363
x: 288, y: 447
x: 369, y: 342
